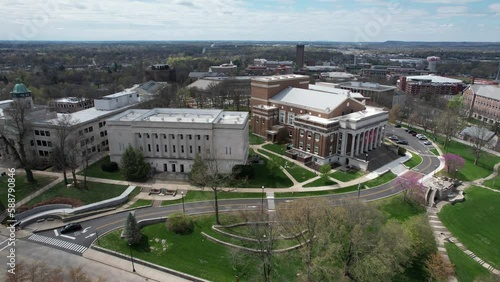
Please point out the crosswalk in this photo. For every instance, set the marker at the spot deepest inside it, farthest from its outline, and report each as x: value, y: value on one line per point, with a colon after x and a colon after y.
x: 58, y: 243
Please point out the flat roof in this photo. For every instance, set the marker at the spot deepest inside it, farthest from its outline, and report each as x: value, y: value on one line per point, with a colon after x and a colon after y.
x: 119, y: 94
x: 367, y: 86
x: 355, y: 116
x: 432, y: 78
x: 205, y: 116
x: 203, y: 84
x: 84, y: 115
x: 279, y: 77
x: 488, y: 91
x: 330, y: 88
x: 71, y: 100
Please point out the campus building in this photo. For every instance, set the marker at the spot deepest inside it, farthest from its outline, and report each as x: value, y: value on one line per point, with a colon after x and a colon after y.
x: 483, y: 102
x: 324, y: 124
x: 378, y: 94
x: 170, y: 139
x: 71, y: 104
x: 430, y: 84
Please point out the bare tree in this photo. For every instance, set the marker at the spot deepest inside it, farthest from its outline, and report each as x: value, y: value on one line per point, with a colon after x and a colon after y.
x: 38, y: 271
x: 304, y: 219
x: 478, y: 136
x: 63, y: 131
x: 449, y: 123
x: 73, y: 155
x: 439, y: 268
x: 15, y: 131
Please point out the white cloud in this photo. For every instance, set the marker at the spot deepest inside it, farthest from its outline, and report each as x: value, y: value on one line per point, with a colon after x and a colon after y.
x: 451, y: 9
x: 495, y: 8
x: 457, y: 2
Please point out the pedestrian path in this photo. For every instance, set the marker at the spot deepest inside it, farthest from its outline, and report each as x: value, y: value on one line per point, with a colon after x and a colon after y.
x: 58, y: 243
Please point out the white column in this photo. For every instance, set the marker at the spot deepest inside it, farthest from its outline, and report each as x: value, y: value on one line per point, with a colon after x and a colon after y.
x: 375, y: 140
x: 344, y: 144
x: 360, y: 141
x: 353, y: 144
x: 367, y: 139
x: 372, y: 139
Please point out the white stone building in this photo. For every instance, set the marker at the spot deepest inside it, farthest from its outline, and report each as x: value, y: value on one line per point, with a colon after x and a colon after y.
x: 170, y: 139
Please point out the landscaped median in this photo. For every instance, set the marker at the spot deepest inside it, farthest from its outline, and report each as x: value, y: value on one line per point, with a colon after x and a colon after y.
x: 414, y: 161
x: 382, y: 179
x: 199, y: 196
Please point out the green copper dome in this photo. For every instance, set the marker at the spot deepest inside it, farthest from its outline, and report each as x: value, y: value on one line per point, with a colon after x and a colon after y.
x: 20, y: 90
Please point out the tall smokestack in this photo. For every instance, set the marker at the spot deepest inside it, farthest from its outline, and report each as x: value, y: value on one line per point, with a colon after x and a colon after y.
x: 300, y: 56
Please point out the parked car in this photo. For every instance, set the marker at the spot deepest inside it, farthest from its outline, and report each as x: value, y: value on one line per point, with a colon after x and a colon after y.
x: 422, y: 138
x: 397, y: 125
x: 412, y: 132
x: 393, y: 137
x: 71, y: 227
x: 427, y: 142
x: 402, y: 142
x: 419, y: 135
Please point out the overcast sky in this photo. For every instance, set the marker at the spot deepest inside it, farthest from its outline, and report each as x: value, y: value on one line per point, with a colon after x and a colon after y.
x: 291, y: 20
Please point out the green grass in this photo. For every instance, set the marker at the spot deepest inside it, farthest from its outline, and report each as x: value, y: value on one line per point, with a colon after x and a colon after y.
x: 197, y: 196
x: 254, y: 139
x: 347, y: 176
x: 299, y: 173
x: 22, y: 187
x: 95, y: 170
x: 320, y: 182
x: 141, y: 203
x: 396, y: 208
x: 384, y: 178
x: 351, y: 188
x: 493, y: 183
x: 192, y: 254
x: 277, y: 148
x: 434, y: 151
x: 94, y: 193
x: 466, y: 268
x: 414, y: 161
x: 475, y: 223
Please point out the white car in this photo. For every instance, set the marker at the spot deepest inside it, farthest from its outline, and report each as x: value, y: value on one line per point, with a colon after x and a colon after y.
x: 427, y: 142
x: 419, y: 135
x: 422, y: 138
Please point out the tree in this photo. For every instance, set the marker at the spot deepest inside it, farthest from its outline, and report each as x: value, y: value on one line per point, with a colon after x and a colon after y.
x: 413, y: 191
x: 449, y: 123
x: 72, y: 155
x: 453, y: 162
x: 325, y: 170
x: 439, y: 268
x: 63, y: 131
x: 478, y: 136
x: 304, y: 219
x: 132, y: 232
x: 38, y: 271
x: 355, y: 244
x: 133, y: 166
x: 15, y: 131
x: 421, y: 236
x: 273, y: 166
x: 206, y: 172
x: 394, y: 113
x: 282, y: 136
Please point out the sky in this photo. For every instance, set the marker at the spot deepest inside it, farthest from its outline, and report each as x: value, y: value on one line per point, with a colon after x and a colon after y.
x: 267, y: 20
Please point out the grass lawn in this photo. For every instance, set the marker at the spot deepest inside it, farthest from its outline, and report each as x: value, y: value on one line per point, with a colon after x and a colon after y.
x: 22, y: 187
x: 396, y: 208
x: 434, y: 151
x: 141, y: 203
x: 493, y: 183
x: 194, y: 254
x: 347, y: 176
x: 277, y: 148
x: 94, y: 193
x: 384, y: 178
x: 254, y: 139
x: 95, y: 170
x: 320, y: 182
x: 208, y: 195
x: 466, y: 268
x: 475, y: 223
x: 414, y: 161
x: 299, y: 173
x: 351, y: 188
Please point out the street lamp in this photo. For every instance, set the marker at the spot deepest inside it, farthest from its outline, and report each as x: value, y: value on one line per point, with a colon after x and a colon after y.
x: 182, y: 196
x: 262, y: 202
x: 131, y: 257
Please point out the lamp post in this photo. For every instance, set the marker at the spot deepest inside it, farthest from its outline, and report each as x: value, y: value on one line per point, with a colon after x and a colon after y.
x: 182, y: 196
x: 131, y: 257
x: 262, y: 201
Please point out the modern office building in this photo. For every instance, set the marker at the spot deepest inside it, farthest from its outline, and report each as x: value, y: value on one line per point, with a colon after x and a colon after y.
x: 483, y: 102
x: 324, y: 125
x: 170, y: 139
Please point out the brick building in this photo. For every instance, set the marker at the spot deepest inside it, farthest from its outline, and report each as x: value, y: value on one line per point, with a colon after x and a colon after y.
x: 433, y: 84
x: 483, y: 102
x: 324, y: 125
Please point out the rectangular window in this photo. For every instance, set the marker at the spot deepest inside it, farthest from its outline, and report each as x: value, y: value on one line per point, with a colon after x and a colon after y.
x: 147, y: 135
x: 91, y: 129
x: 37, y: 132
x: 316, y: 136
x: 190, y: 149
x: 156, y: 135
x: 190, y: 137
x: 198, y: 137
x: 308, y: 147
x: 157, y: 148
x: 316, y: 149
x: 301, y: 145
x: 39, y: 143
x: 47, y: 133
x: 166, y: 148
x: 44, y: 143
x: 164, y: 136
x: 32, y: 142
x: 309, y: 135
x: 40, y: 153
x: 207, y: 137
x: 301, y: 132
x: 282, y: 117
x: 181, y: 136
x: 173, y: 148
x: 173, y: 136
x: 182, y: 149
x: 291, y: 118
x: 140, y: 136
x: 290, y: 133
x: 199, y: 149
x: 331, y: 150
x: 42, y: 133
x: 149, y: 147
